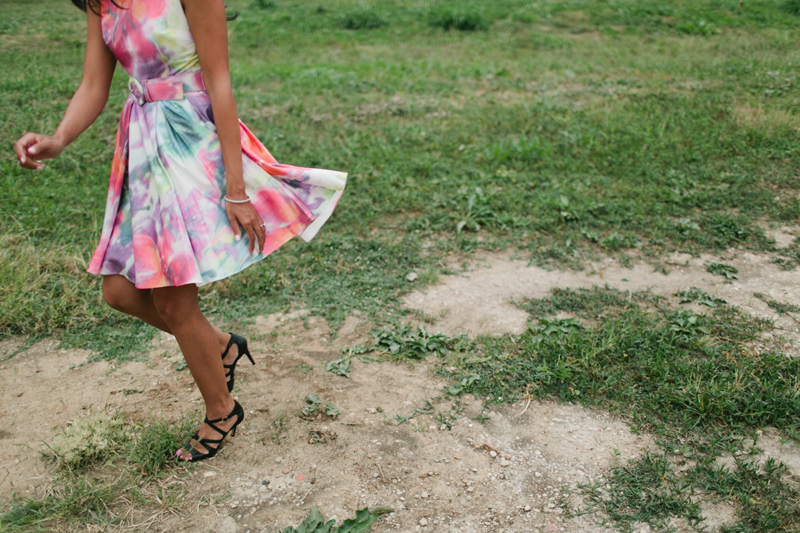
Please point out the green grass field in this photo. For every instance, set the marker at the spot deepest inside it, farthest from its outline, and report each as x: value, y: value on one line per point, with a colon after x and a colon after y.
x: 564, y: 129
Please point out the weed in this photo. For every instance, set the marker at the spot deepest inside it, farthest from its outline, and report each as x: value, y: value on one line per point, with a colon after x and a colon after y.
x: 340, y: 366
x: 715, y: 379
x: 356, y: 349
x: 721, y: 269
x: 331, y: 410
x: 71, y: 498
x: 699, y: 296
x: 403, y: 341
x: 554, y: 326
x: 314, y: 407
x: 648, y: 490
x: 686, y: 324
x: 135, y: 453
x: 315, y: 523
x: 313, y: 402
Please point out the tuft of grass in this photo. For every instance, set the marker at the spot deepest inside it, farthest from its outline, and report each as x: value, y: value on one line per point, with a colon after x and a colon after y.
x: 361, y: 17
x: 264, y: 4
x: 699, y: 27
x: 87, y: 440
x: 457, y: 18
x: 72, y: 499
x: 791, y: 6
x: 153, y: 449
x: 779, y: 307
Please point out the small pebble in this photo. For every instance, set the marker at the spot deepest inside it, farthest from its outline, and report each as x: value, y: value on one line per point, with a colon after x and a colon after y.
x: 493, y: 453
x: 423, y: 522
x: 279, y: 459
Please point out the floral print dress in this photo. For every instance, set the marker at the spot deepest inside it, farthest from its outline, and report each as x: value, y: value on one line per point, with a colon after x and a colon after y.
x: 165, y: 222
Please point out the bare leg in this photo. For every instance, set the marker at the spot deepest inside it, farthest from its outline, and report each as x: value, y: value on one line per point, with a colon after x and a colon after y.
x: 123, y: 296
x: 179, y: 308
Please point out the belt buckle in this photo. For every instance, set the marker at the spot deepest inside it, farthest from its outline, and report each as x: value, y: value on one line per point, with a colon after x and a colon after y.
x: 136, y: 90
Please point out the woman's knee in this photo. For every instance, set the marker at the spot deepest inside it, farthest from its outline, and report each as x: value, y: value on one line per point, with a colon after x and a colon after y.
x: 176, y: 304
x: 122, y: 296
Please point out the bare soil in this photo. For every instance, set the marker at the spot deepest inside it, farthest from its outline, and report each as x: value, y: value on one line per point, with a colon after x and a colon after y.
x: 511, y: 473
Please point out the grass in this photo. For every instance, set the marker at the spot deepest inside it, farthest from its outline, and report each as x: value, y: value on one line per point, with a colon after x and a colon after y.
x: 568, y: 130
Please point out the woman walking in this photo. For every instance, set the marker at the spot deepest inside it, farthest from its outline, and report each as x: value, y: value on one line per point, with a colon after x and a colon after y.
x: 193, y: 197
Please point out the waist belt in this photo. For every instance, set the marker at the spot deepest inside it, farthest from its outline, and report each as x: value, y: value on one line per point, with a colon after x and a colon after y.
x: 169, y: 88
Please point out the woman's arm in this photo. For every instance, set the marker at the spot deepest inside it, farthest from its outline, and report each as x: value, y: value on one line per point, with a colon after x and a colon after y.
x: 85, y: 106
x: 209, y: 28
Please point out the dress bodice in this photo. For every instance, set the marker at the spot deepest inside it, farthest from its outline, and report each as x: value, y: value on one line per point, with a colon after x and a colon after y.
x: 150, y: 38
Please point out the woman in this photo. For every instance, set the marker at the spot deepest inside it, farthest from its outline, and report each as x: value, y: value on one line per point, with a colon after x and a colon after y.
x: 194, y: 197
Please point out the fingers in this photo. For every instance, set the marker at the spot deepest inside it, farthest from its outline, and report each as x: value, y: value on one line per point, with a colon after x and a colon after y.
x: 251, y: 236
x: 237, y: 230
x: 261, y: 234
x: 23, y: 148
x: 245, y: 217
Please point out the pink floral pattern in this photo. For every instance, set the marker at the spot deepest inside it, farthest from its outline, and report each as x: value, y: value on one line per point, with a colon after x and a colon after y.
x: 165, y: 221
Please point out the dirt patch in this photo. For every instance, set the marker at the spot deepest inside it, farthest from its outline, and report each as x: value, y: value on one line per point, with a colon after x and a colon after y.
x: 481, y: 299
x: 510, y: 473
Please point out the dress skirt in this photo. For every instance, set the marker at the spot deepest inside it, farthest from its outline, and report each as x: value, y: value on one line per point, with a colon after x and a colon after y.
x: 165, y: 222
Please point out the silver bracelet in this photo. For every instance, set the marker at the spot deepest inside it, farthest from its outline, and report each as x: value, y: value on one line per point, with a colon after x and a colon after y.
x: 237, y: 201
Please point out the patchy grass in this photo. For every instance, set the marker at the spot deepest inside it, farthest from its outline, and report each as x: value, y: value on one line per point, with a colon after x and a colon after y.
x: 100, y: 458
x: 699, y: 382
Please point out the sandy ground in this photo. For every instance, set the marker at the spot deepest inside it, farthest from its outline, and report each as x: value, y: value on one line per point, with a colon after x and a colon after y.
x: 511, y: 473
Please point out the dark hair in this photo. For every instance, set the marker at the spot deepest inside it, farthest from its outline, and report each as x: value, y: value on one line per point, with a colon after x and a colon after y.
x: 95, y: 6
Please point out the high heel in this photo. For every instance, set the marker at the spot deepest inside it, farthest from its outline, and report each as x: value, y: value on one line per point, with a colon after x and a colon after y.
x: 241, y: 344
x: 190, y: 453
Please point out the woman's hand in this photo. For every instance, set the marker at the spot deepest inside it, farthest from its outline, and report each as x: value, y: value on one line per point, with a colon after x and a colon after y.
x: 31, y: 148
x: 244, y: 216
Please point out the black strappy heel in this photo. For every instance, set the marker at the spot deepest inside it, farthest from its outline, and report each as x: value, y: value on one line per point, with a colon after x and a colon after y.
x: 241, y: 344
x: 194, y: 454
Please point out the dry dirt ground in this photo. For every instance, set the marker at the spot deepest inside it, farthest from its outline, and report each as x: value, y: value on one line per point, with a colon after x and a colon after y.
x: 512, y: 473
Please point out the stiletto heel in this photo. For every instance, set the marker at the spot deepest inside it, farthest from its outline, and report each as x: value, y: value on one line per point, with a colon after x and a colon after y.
x: 194, y: 454
x: 241, y: 345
